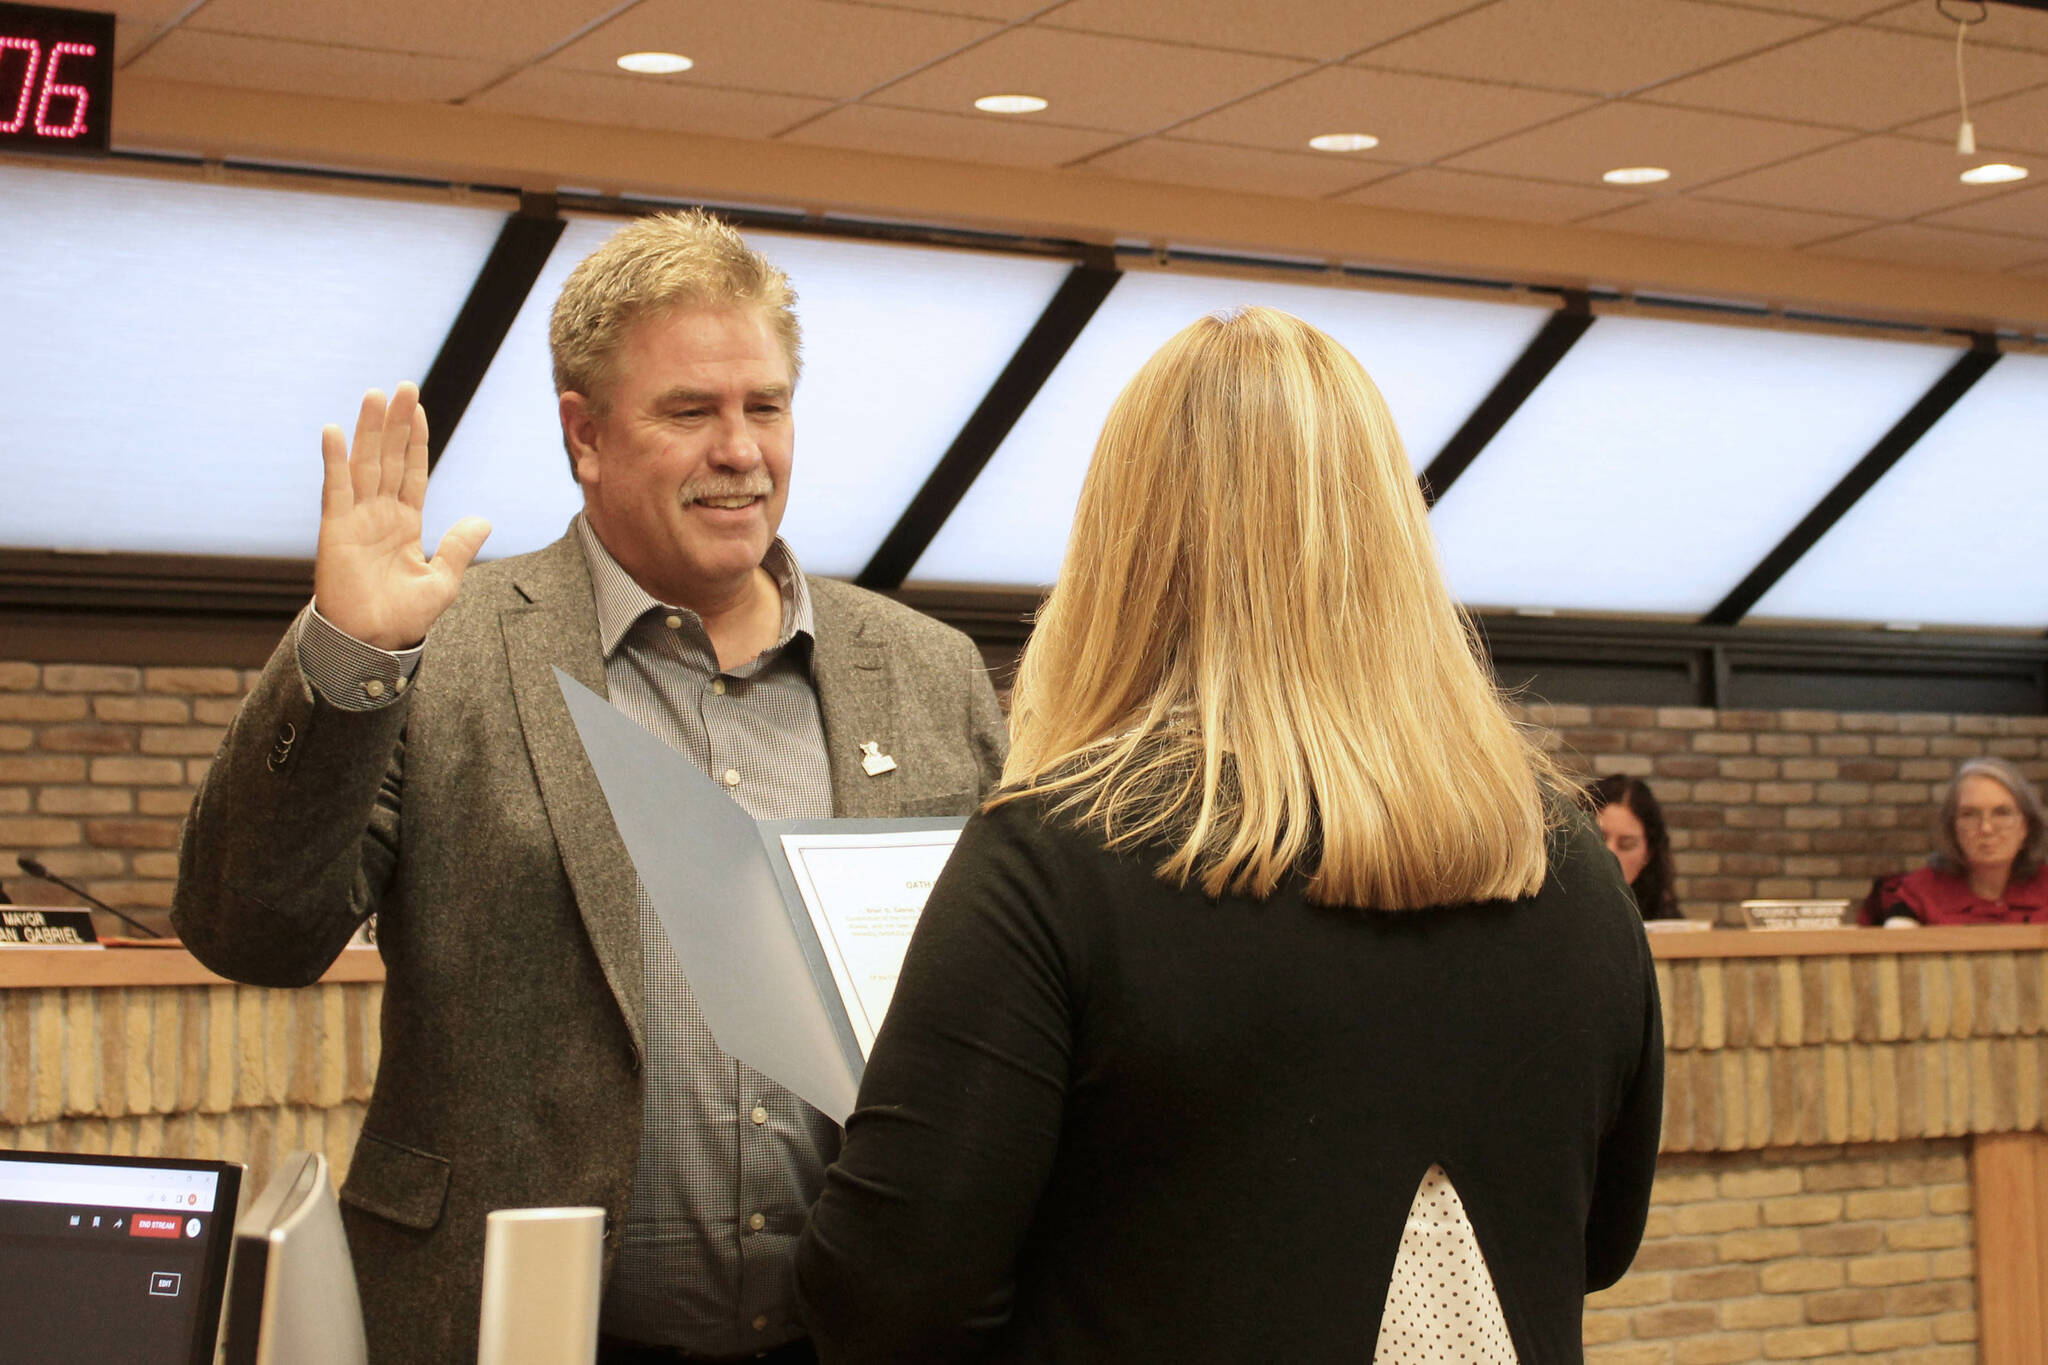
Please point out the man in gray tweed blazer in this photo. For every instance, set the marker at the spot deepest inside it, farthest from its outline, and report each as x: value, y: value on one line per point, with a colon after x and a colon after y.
x: 407, y: 753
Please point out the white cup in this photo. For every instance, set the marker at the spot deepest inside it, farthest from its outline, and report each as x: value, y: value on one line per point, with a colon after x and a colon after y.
x: 543, y: 1271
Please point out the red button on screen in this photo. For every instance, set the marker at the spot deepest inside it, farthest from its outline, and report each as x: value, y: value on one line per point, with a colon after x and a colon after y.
x: 156, y: 1225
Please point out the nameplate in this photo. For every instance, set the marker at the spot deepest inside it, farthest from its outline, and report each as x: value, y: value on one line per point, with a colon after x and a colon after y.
x: 21, y: 928
x: 1762, y: 914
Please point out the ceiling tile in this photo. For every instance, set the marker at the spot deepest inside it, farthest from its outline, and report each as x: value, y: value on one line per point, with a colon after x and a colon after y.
x: 309, y: 69
x: 146, y: 13
x: 507, y: 33
x: 791, y: 47
x: 1821, y: 9
x: 1416, y: 118
x: 1707, y: 221
x: 647, y: 102
x: 2003, y: 26
x: 1865, y: 78
x: 2022, y: 211
x: 2017, y: 123
x: 1307, y: 175
x: 1487, y: 196
x: 1886, y: 178
x: 1003, y: 11
x: 1601, y: 47
x: 1692, y: 144
x: 989, y: 139
x: 1295, y: 28
x: 1092, y: 81
x: 130, y: 40
x: 1916, y: 244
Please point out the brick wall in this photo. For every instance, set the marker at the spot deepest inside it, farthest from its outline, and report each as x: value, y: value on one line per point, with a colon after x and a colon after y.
x: 1815, y: 1253
x: 1788, y: 803
x: 97, y: 766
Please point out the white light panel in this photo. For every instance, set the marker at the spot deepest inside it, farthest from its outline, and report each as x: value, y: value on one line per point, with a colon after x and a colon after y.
x: 1434, y: 359
x: 171, y: 350
x: 1660, y: 461
x: 900, y: 345
x: 1955, y: 532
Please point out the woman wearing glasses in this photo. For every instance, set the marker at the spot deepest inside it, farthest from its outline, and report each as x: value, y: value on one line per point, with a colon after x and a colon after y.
x: 1987, y: 869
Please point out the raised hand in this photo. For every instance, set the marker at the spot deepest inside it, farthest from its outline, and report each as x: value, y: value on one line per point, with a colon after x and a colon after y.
x: 371, y: 576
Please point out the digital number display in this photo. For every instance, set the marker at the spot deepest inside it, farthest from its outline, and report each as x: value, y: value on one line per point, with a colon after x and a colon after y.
x: 56, y: 80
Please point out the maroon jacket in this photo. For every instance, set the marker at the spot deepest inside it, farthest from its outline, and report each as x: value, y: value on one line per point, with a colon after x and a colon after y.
x: 1936, y: 897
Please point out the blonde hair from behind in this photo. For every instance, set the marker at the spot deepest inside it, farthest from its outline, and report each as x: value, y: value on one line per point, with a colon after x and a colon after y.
x: 689, y: 259
x: 1251, y: 654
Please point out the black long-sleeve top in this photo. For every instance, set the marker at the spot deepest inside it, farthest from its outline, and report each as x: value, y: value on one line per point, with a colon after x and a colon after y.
x: 1111, y: 1120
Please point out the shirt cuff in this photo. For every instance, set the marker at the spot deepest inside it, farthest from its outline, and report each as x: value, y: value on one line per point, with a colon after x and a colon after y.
x: 348, y: 674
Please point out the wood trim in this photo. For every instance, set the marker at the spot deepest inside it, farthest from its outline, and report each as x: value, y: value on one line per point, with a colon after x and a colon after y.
x: 2009, y: 1187
x: 1988, y: 938
x: 52, y: 968
x: 124, y: 966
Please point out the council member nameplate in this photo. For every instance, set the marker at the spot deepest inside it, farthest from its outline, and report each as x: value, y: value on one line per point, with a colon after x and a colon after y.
x: 864, y: 893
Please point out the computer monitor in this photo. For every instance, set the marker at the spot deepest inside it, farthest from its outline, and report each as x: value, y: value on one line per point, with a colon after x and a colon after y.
x: 293, y: 1300
x: 113, y: 1257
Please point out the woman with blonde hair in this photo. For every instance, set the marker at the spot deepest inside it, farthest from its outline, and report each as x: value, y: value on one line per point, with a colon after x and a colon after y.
x: 1281, y: 1006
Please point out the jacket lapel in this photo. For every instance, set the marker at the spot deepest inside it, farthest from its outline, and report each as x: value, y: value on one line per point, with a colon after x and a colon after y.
x: 855, y: 699
x: 556, y: 627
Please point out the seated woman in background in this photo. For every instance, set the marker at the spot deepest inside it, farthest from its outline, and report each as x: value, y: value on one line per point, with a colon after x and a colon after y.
x: 1281, y: 1006
x: 1632, y: 823
x: 1987, y: 865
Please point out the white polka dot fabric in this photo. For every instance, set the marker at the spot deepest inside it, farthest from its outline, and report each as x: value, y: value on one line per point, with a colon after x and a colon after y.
x: 1441, y: 1306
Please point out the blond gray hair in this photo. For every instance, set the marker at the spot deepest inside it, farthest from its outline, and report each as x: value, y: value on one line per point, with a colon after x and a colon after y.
x: 1303, y: 695
x: 690, y: 259
x: 1949, y: 850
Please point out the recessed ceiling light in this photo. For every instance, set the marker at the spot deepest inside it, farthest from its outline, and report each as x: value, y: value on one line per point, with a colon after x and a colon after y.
x: 1009, y: 104
x: 1636, y: 175
x: 656, y: 63
x: 1344, y: 142
x: 1996, y: 173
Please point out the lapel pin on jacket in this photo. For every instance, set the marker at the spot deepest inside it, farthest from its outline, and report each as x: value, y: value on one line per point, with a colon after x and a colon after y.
x: 873, y: 761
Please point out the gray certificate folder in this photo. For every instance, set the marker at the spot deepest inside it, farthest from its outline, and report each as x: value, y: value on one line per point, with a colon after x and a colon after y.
x: 723, y: 891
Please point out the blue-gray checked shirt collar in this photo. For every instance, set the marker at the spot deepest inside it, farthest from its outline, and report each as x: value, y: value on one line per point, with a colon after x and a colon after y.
x: 621, y: 601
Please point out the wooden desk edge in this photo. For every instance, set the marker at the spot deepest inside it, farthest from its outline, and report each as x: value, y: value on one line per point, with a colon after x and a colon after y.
x: 46, y: 968
x: 53, y: 968
x: 1984, y: 938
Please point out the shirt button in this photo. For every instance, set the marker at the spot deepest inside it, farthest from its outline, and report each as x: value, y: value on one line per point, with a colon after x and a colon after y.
x: 718, y: 686
x: 761, y: 1323
x: 672, y: 622
x: 374, y: 687
x: 759, y: 1116
x: 732, y: 777
x: 757, y: 1221
x: 398, y: 686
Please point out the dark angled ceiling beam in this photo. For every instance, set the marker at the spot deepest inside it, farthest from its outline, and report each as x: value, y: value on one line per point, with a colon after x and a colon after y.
x: 494, y: 301
x: 1890, y: 448
x: 1042, y: 349
x: 1549, y: 346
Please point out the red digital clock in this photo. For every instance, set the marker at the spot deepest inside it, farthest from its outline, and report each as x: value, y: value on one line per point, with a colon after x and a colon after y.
x: 56, y: 80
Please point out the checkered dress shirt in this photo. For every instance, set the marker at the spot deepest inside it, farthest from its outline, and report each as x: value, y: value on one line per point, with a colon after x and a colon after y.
x: 729, y: 1161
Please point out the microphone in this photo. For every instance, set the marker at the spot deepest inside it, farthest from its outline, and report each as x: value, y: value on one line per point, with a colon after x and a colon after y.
x: 36, y: 869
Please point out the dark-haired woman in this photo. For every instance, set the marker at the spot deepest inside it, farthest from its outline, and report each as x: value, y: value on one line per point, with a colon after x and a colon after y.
x: 1633, y: 824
